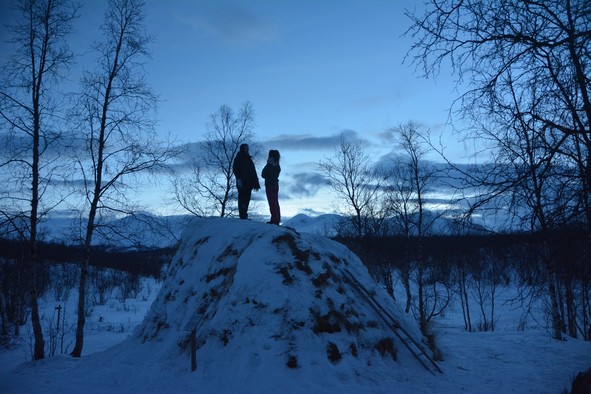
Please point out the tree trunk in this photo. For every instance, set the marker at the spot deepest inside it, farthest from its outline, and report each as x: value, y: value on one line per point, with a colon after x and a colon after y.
x: 551, y: 277
x: 39, y: 347
x: 422, y: 306
x: 467, y: 309
x: 406, y: 282
x: 571, y: 310
x: 586, y: 311
x: 464, y: 298
x: 77, y: 351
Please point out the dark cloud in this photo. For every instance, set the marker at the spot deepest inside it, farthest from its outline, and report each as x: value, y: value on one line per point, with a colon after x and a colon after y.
x: 52, y: 146
x: 387, y: 161
x: 305, y: 184
x: 234, y: 25
x: 448, y: 178
x: 310, y: 142
x: 191, y: 153
x: 194, y: 153
x: 390, y: 159
x: 388, y: 136
x: 193, y: 150
x: 11, y: 144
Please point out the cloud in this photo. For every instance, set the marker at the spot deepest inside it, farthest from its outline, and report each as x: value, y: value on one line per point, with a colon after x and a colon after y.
x: 305, y: 184
x: 192, y: 153
x: 446, y: 179
x: 310, y: 142
x: 388, y: 136
x: 52, y: 146
x: 233, y: 24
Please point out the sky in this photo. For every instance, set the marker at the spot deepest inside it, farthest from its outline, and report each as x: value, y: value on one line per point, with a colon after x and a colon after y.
x: 261, y: 311
x: 312, y: 70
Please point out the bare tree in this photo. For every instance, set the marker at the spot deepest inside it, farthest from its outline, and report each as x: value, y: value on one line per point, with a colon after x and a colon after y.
x: 410, y: 181
x: 400, y: 205
x: 29, y: 107
x: 487, y: 278
x: 351, y: 175
x: 460, y: 275
x: 116, y: 110
x: 209, y: 188
x: 527, y: 63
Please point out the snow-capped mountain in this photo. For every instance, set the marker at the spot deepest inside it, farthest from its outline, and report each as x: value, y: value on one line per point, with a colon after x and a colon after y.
x: 151, y: 231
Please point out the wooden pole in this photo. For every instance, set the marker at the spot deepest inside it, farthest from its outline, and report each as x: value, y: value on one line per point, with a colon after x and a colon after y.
x: 193, y: 350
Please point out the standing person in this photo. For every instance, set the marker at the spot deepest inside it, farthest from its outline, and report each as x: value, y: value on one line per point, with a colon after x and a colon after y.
x: 246, y: 179
x: 271, y: 174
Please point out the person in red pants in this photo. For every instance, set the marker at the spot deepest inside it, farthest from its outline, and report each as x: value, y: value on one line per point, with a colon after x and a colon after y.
x: 271, y: 175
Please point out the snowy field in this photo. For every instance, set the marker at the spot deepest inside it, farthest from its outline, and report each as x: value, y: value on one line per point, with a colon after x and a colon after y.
x: 518, y: 357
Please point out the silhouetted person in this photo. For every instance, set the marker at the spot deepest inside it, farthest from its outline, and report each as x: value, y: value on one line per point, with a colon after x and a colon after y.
x: 246, y: 179
x: 271, y: 174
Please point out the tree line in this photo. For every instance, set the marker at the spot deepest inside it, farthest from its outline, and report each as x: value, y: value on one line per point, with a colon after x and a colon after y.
x: 57, y: 273
x: 474, y: 269
x: 144, y: 262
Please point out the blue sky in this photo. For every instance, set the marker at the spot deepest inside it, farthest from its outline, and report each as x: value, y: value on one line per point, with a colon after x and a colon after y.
x: 311, y: 70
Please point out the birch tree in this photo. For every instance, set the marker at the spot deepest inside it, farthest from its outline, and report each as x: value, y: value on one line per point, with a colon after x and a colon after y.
x: 30, y: 109
x: 116, y: 109
x: 351, y: 175
x: 411, y: 180
x: 209, y: 188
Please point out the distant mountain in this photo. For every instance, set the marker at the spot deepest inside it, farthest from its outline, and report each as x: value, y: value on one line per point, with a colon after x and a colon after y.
x: 151, y: 231
x: 322, y: 225
x: 141, y: 230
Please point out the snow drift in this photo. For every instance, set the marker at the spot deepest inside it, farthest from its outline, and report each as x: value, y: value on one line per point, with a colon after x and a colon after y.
x: 269, y: 306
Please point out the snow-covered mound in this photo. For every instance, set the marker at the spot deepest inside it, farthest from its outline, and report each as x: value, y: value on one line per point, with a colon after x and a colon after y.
x: 270, y: 308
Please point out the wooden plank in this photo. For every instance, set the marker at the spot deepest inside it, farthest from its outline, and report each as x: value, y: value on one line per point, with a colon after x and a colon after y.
x: 193, y: 322
x: 192, y: 326
x: 193, y: 350
x: 409, y: 342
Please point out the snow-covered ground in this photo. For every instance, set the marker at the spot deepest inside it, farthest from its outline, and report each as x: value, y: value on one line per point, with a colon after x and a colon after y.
x: 278, y: 315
